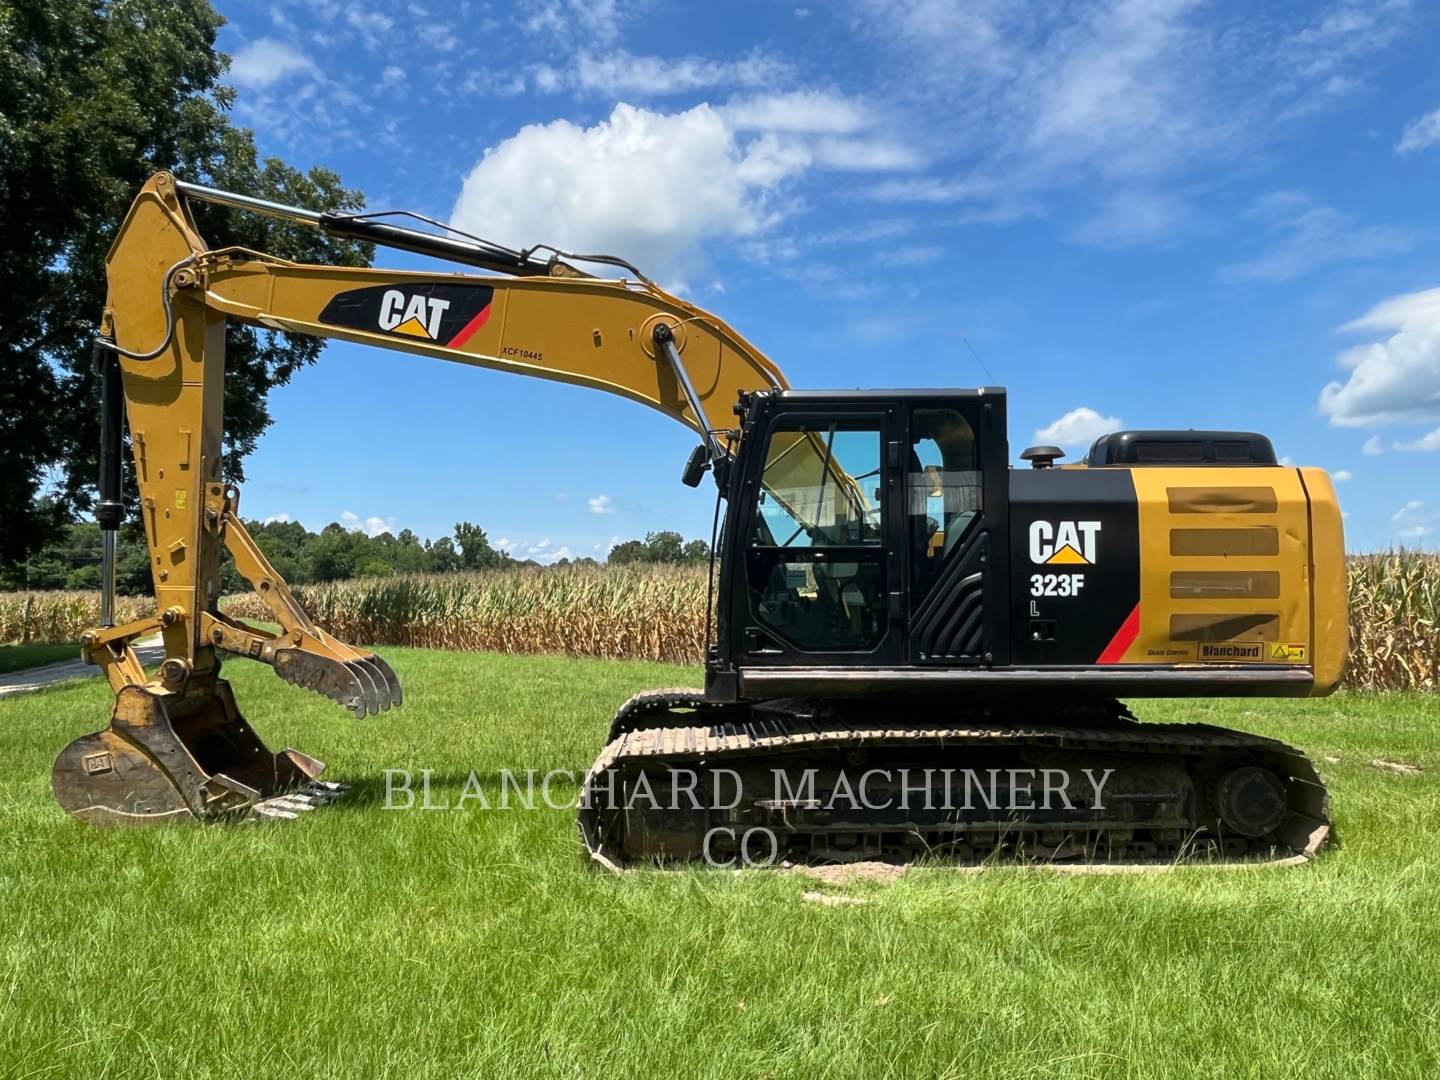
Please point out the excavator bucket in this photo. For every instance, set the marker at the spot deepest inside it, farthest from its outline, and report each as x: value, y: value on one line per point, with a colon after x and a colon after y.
x: 188, y: 753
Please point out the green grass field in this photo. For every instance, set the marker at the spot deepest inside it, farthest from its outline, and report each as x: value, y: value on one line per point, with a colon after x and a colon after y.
x: 364, y: 942
x: 20, y: 657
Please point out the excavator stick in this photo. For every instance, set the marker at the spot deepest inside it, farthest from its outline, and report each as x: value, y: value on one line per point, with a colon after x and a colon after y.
x: 177, y: 746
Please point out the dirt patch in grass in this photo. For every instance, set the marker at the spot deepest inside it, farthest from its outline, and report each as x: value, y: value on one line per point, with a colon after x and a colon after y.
x: 849, y: 873
x: 810, y: 896
x: 1403, y: 768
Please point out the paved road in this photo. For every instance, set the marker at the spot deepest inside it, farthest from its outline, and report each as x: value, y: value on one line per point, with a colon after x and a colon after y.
x: 150, y: 651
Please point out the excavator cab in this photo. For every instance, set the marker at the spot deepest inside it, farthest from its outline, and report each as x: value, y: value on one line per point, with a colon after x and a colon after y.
x: 901, y: 562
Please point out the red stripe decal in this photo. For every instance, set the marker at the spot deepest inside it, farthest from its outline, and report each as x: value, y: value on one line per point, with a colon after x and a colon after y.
x: 1123, y: 639
x: 469, y: 328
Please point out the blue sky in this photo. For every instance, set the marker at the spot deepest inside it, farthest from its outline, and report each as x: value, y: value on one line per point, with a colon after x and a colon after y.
x: 1159, y: 213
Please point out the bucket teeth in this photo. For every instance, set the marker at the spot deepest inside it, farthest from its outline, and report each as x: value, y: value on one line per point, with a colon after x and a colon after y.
x: 298, y: 803
x: 262, y: 810
x: 289, y: 806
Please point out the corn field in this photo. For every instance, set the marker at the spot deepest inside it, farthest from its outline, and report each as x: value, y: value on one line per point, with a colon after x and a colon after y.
x: 624, y: 612
x: 1394, y: 621
x: 59, y: 617
x: 658, y: 613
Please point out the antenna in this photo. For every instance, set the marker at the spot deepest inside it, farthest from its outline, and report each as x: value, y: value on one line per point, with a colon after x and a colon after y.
x: 983, y: 366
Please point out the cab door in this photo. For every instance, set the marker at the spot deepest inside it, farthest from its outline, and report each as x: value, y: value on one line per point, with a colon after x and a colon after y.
x: 820, y: 581
x: 956, y: 524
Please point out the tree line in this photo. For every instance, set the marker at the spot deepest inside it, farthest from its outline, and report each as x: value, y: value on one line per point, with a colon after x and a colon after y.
x: 94, y: 97
x: 302, y: 557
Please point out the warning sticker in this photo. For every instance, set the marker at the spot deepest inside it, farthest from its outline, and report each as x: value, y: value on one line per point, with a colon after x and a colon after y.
x: 1231, y: 652
x: 1288, y: 652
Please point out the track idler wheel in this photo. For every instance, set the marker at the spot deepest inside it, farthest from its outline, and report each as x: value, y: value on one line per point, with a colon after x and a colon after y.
x: 1251, y: 801
x: 169, y: 755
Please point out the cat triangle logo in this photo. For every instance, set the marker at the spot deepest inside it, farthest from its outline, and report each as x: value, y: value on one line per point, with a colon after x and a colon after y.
x: 1068, y: 556
x: 414, y: 327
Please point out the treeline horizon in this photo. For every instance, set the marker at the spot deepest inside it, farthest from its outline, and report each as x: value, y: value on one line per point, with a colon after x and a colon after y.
x: 302, y: 557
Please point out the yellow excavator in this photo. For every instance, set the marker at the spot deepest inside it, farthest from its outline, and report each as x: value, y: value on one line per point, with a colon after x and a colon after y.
x: 914, y: 648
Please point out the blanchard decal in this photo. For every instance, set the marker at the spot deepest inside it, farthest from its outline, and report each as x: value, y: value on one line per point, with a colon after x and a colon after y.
x: 1246, y: 651
x: 1064, y: 543
x: 446, y: 313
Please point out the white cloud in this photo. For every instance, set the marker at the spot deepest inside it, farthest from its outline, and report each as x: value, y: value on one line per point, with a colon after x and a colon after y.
x: 504, y: 543
x: 1414, y: 520
x: 1304, y: 235
x: 864, y: 155
x: 373, y: 26
x: 1341, y: 475
x: 929, y: 189
x: 1396, y: 380
x: 392, y: 76
x: 1420, y: 133
x: 576, y: 20
x: 1372, y: 446
x: 1130, y: 218
x: 1129, y: 92
x: 601, y: 504
x: 621, y: 74
x: 1347, y: 31
x: 265, y: 62
x: 278, y: 519
x: 656, y: 186
x: 659, y: 185
x: 1287, y: 462
x: 1424, y: 443
x: 543, y: 551
x: 809, y: 111
x: 1078, y: 427
x: 370, y: 526
x: 1114, y: 88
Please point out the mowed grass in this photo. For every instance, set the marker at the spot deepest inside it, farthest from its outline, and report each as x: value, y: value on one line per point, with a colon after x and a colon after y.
x: 23, y: 657
x: 364, y: 942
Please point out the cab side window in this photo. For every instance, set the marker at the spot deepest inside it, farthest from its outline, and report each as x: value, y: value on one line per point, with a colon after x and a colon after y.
x: 944, y: 490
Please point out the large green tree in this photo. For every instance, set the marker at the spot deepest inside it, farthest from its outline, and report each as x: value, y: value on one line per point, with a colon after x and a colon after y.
x: 95, y: 95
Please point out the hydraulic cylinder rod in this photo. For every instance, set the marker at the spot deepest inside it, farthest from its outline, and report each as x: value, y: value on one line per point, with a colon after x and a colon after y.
x: 109, y: 510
